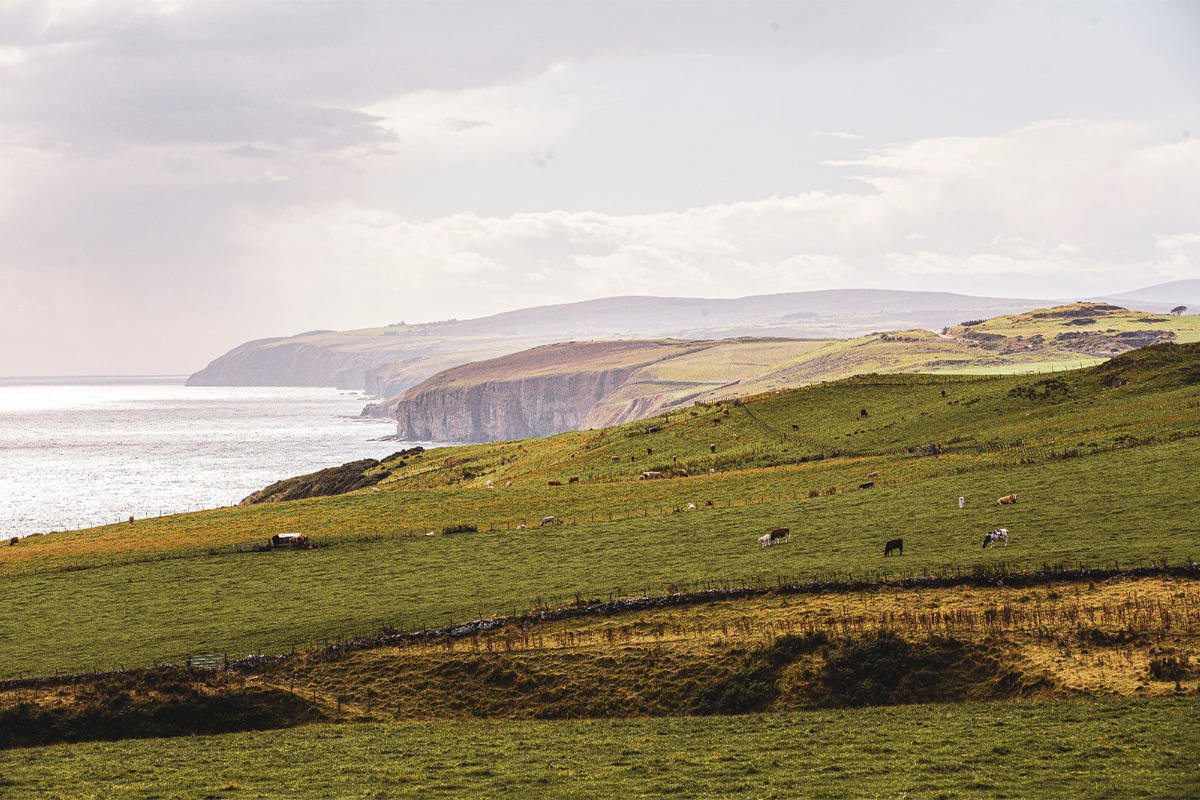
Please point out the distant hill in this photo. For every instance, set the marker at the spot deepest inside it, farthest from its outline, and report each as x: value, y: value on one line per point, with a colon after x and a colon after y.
x: 386, y: 361
x: 576, y: 385
x: 1175, y: 293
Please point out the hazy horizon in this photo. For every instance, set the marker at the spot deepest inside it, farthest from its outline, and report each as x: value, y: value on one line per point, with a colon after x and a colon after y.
x: 179, y: 177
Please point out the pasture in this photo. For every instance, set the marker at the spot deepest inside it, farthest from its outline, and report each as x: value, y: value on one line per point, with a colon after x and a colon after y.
x: 1085, y: 748
x: 1071, y: 511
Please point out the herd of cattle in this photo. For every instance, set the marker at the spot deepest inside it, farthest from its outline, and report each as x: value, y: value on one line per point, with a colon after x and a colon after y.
x: 997, y: 536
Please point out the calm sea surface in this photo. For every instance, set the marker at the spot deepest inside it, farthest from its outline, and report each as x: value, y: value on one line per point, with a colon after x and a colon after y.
x: 76, y: 452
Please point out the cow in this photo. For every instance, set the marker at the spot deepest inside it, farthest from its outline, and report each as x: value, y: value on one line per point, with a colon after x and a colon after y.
x: 508, y: 483
x: 573, y: 479
x: 683, y: 473
x: 491, y: 485
x: 1007, y: 500
x: 708, y: 503
x: 649, y: 451
x: 712, y: 448
x: 650, y: 475
x: 521, y: 527
x: 873, y: 475
x: 691, y: 507
x: 764, y: 540
x: 795, y: 427
x: 674, y: 459
x: 998, y: 535
x: 735, y: 437
x: 130, y: 519
x: 615, y: 459
x: 893, y: 544
x: 962, y: 501
x: 548, y: 520
x: 784, y: 534
x: 556, y: 483
x: 13, y: 541
x: 862, y: 413
x: 867, y: 485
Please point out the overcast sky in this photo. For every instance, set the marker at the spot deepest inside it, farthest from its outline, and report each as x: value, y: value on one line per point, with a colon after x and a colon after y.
x: 177, y: 177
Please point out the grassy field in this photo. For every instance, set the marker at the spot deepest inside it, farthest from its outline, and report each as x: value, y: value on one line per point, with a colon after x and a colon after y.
x: 268, y: 602
x: 777, y: 445
x: 1080, y: 748
x: 1126, y: 495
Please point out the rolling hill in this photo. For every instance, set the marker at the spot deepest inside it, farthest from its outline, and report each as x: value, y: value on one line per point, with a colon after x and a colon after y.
x: 577, y: 385
x: 387, y: 360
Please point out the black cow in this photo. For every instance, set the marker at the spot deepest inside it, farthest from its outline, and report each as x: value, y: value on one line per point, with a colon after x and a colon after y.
x: 893, y: 544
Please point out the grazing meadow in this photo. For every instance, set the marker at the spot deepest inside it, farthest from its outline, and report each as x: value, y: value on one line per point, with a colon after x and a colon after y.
x: 1083, y: 748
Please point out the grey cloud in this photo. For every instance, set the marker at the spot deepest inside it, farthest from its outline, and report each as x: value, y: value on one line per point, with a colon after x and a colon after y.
x: 290, y: 74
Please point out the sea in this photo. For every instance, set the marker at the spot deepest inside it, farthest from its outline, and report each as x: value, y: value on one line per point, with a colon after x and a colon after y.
x: 79, y: 452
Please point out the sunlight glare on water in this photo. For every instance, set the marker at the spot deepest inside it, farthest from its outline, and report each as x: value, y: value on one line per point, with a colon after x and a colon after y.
x: 76, y: 452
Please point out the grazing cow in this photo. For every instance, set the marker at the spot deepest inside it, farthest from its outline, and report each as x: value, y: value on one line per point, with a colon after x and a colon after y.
x: 873, y: 475
x: 893, y: 544
x: 548, y: 520
x: 998, y: 535
x: 764, y: 540
x: 491, y: 485
x: 962, y: 501
x: 573, y: 479
x: 691, y: 506
x: 735, y: 437
x: 725, y: 412
x: 650, y: 475
x: 1008, y: 499
x: 13, y: 541
x: 943, y: 392
x: 708, y: 503
x: 683, y: 473
x: 867, y: 485
x: 795, y: 427
x: 780, y: 534
x: 649, y: 451
x: 615, y: 458
x: 674, y: 459
x: 130, y: 519
x: 712, y: 448
x: 862, y: 413
x: 556, y: 483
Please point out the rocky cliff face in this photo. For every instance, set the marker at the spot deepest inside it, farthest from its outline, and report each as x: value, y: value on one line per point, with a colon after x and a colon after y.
x: 533, y: 406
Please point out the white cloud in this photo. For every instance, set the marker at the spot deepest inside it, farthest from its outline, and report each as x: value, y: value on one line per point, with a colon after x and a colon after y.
x: 469, y: 125
x: 1039, y: 207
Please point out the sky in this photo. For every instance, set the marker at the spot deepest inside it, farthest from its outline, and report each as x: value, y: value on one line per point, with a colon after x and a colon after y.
x: 178, y: 177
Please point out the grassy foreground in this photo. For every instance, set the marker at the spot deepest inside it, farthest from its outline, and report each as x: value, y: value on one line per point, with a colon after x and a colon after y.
x: 268, y: 602
x: 1077, y: 748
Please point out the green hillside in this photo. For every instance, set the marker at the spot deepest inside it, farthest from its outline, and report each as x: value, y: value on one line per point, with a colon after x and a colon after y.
x: 162, y: 589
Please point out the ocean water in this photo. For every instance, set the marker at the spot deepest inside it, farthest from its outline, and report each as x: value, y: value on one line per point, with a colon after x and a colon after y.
x: 76, y: 452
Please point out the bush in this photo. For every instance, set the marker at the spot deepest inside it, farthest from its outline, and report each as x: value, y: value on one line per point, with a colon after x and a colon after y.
x: 462, y: 528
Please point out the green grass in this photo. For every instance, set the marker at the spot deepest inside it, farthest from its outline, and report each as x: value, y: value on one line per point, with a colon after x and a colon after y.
x: 1125, y: 506
x: 1075, y: 748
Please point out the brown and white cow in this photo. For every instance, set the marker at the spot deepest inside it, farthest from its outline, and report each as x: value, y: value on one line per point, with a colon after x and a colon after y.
x: 777, y: 535
x: 1008, y: 499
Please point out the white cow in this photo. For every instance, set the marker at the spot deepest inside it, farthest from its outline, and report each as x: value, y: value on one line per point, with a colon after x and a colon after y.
x: 998, y: 535
x: 764, y: 540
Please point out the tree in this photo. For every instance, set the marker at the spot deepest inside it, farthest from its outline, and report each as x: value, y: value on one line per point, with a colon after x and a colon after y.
x: 1177, y: 310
